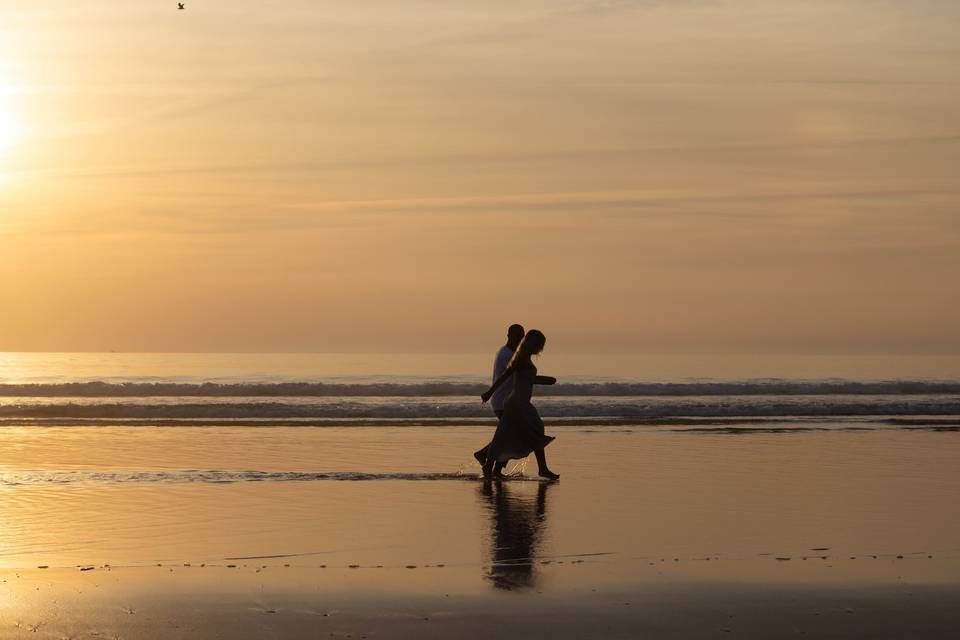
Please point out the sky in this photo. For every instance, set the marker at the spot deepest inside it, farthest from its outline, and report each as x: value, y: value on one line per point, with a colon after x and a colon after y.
x: 750, y: 176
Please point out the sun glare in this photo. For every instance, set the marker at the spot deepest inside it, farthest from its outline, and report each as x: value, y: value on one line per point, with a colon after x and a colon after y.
x: 9, y: 127
x: 10, y: 131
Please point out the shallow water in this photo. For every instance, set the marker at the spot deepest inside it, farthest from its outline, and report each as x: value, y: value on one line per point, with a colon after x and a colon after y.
x: 408, y: 496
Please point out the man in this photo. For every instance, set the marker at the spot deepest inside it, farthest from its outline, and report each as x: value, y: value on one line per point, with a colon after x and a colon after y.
x: 515, y: 334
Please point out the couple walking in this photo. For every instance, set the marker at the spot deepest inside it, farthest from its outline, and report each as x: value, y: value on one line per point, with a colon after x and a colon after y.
x: 520, y: 429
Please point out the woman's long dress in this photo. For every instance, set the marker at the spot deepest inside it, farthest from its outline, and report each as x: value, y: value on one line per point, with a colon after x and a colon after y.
x: 520, y: 430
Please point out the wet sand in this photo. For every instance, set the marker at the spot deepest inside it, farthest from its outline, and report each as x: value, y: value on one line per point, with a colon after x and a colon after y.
x: 196, y: 533
x: 286, y: 602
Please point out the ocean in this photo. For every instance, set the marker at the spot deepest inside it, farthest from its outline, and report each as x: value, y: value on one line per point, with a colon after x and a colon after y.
x: 705, y: 393
x: 327, y: 462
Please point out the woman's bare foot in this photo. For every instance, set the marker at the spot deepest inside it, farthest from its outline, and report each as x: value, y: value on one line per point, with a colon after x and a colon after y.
x: 549, y: 475
x: 493, y: 471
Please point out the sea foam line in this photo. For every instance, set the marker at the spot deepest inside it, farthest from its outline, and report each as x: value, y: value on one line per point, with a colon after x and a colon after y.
x: 554, y: 407
x: 441, y: 389
x: 217, y: 476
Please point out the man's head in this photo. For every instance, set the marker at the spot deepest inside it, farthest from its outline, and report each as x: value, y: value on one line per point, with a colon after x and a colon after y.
x: 514, y: 336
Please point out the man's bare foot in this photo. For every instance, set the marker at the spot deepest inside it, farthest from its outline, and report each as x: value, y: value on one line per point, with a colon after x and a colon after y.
x: 492, y: 472
x: 549, y: 475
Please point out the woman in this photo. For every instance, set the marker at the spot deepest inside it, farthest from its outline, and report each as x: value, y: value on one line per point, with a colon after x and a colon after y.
x: 520, y: 430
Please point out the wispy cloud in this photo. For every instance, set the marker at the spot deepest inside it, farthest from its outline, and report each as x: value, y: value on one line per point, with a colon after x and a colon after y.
x: 183, y: 216
x: 320, y: 165
x: 175, y: 106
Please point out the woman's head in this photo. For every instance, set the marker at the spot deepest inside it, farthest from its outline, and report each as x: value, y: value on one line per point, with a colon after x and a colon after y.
x: 532, y: 344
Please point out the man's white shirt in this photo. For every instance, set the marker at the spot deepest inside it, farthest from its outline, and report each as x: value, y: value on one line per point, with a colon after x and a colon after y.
x: 499, y: 366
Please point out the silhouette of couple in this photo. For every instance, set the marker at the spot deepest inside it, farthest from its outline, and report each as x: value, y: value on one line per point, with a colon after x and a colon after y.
x: 520, y: 429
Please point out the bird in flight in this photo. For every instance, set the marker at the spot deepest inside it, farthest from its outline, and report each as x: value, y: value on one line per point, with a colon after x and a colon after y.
x: 180, y: 6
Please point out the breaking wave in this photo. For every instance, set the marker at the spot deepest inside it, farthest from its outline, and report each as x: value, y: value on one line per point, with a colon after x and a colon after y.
x: 768, y: 387
x: 399, y: 409
x: 353, y: 403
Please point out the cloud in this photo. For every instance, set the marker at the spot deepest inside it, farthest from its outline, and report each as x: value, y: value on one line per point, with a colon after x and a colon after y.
x: 754, y: 207
x: 310, y: 166
x: 174, y: 108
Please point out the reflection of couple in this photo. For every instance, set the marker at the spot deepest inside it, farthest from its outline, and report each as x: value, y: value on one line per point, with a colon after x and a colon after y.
x: 520, y: 429
x: 516, y: 529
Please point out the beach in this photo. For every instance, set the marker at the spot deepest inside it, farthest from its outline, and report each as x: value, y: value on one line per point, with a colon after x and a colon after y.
x: 278, y: 496
x: 289, y: 603
x: 377, y: 531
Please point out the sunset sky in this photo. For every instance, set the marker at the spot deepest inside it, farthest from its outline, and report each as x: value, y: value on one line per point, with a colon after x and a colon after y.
x: 302, y: 175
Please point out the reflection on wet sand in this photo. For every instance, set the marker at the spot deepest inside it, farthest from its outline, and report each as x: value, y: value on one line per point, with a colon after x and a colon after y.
x: 518, y: 521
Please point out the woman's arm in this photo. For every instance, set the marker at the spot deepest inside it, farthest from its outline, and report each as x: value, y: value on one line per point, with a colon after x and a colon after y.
x: 544, y: 380
x: 496, y: 383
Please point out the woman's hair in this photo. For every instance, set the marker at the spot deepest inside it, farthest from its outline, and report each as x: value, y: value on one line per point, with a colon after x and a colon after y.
x: 532, y: 344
